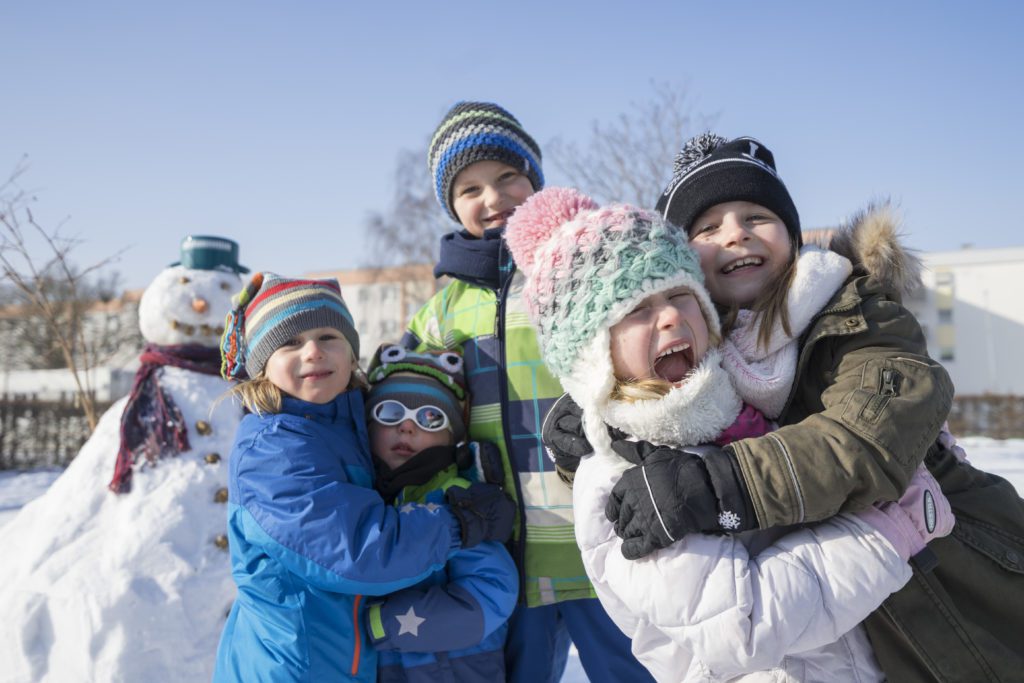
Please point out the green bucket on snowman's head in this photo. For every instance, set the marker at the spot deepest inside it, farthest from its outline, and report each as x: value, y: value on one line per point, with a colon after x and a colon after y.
x: 210, y: 252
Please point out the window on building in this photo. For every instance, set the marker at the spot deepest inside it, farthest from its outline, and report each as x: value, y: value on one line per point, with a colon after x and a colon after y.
x: 946, y: 339
x: 944, y: 291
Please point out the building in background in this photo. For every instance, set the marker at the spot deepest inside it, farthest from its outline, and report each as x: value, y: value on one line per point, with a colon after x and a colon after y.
x: 32, y: 366
x: 382, y: 300
x: 972, y: 310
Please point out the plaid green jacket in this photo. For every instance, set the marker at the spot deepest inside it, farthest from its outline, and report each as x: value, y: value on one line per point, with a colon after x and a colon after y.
x: 511, y: 392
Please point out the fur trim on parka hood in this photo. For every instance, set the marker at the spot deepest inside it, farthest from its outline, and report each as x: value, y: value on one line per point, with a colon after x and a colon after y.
x: 871, y: 240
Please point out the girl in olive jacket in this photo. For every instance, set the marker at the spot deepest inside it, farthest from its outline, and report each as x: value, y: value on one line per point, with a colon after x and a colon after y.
x: 859, y: 402
x: 835, y: 358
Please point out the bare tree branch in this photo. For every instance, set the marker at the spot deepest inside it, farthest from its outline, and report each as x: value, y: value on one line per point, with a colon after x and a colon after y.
x: 408, y: 232
x: 49, y: 286
x: 630, y: 158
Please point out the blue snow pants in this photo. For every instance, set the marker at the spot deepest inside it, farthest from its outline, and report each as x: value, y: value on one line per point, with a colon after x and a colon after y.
x: 538, y: 644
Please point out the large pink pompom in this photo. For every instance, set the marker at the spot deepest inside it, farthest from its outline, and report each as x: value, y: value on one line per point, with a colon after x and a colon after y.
x: 538, y: 217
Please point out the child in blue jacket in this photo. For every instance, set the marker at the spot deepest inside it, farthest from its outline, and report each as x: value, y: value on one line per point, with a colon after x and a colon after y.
x: 452, y: 625
x: 308, y: 534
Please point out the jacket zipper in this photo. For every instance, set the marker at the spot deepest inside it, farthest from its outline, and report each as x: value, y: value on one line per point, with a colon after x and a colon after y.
x: 499, y: 332
x: 358, y: 635
x: 808, y: 343
x: 889, y: 383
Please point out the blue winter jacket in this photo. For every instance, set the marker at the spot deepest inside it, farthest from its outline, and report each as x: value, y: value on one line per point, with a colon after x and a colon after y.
x: 309, y: 537
x: 452, y: 626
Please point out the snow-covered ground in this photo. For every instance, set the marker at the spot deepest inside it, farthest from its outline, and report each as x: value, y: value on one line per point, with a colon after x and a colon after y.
x: 18, y: 488
x: 1005, y: 458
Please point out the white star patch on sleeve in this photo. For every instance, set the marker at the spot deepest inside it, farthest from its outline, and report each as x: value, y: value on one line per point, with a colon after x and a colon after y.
x: 409, y: 622
x: 432, y: 506
x: 408, y: 507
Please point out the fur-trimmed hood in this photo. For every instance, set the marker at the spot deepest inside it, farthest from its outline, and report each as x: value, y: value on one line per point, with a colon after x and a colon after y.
x: 872, y: 240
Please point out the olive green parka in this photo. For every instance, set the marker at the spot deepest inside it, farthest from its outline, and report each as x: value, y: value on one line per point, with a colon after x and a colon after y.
x: 867, y: 401
x: 865, y: 409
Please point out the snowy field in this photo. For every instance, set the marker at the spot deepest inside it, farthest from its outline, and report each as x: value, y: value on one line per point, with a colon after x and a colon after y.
x: 1005, y: 458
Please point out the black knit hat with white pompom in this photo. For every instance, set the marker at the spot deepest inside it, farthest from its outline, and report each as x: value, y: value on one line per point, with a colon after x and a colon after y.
x: 711, y: 170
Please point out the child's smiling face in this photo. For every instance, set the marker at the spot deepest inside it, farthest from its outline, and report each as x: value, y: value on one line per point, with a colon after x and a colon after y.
x: 664, y: 337
x: 743, y: 247
x: 314, y: 366
x: 486, y: 193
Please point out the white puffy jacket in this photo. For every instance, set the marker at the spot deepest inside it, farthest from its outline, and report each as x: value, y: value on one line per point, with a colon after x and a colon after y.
x: 705, y: 609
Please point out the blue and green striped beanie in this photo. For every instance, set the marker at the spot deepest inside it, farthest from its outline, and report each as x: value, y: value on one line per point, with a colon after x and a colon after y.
x: 479, y: 131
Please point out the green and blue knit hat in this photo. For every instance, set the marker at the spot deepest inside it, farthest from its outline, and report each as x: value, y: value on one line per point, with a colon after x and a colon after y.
x: 419, y: 379
x: 273, y: 309
x: 589, y: 266
x: 479, y: 131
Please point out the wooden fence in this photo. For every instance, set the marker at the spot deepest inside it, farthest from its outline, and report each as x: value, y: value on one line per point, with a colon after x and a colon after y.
x: 36, y: 433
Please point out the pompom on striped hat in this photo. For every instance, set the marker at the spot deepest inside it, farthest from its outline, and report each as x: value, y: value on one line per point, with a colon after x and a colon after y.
x: 587, y: 267
x: 273, y: 309
x: 479, y: 131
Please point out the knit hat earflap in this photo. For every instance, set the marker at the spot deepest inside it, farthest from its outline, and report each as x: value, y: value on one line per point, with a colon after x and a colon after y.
x: 711, y: 170
x: 587, y: 267
x: 479, y: 131
x: 420, y: 379
x: 272, y: 309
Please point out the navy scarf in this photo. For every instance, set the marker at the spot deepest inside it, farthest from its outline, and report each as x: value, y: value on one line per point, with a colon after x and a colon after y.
x: 476, y: 260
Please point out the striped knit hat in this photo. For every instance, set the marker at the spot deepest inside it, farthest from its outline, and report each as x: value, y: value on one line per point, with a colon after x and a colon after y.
x: 419, y: 379
x: 270, y: 311
x: 479, y: 131
x: 587, y: 267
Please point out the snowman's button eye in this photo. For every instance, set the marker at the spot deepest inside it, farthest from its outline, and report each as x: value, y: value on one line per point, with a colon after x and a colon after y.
x: 225, y: 286
x: 184, y: 280
x: 451, y: 361
x: 392, y: 354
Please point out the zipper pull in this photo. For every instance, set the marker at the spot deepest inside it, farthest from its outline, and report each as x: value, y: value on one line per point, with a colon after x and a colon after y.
x: 890, y: 382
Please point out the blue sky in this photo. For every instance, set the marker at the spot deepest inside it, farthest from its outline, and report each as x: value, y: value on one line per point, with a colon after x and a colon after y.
x: 279, y: 124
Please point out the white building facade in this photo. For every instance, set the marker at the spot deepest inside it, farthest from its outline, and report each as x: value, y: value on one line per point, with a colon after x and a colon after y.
x: 972, y: 312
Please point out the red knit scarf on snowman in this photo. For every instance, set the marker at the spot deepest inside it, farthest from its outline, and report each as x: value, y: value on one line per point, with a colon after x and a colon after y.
x: 151, y: 423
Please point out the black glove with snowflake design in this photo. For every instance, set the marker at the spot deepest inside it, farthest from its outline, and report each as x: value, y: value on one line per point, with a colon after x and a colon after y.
x: 671, y: 493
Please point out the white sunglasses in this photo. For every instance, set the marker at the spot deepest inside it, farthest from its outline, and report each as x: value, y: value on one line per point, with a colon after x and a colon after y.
x: 427, y: 418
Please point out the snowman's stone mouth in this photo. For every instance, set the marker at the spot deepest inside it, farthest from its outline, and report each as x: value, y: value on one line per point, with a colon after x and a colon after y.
x: 204, y: 329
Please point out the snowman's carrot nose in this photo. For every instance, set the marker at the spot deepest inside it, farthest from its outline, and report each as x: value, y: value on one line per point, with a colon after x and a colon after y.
x: 199, y: 305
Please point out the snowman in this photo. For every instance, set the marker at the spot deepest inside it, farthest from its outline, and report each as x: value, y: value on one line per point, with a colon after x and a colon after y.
x: 119, y: 572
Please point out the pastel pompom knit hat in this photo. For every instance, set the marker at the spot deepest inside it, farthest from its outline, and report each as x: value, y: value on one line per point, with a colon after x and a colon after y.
x: 479, y: 131
x: 273, y: 309
x: 589, y: 266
